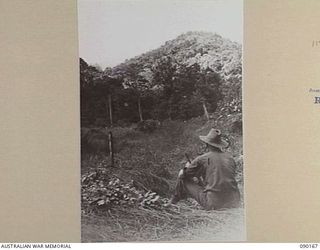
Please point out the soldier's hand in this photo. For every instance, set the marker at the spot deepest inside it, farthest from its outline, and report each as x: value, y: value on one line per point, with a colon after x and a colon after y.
x: 180, y: 175
x: 196, y: 180
x: 187, y: 164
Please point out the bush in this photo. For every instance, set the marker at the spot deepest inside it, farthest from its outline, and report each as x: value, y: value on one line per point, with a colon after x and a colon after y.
x: 123, y: 123
x: 100, y: 122
x: 148, y: 125
x: 94, y: 141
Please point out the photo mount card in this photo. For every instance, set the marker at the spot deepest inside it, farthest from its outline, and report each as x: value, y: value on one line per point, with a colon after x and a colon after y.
x: 40, y: 129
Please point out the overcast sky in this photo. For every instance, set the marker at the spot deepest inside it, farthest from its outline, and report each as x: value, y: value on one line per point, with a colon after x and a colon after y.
x: 112, y: 31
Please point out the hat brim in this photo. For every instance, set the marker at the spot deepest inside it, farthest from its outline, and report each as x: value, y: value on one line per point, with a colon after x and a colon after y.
x: 222, y: 144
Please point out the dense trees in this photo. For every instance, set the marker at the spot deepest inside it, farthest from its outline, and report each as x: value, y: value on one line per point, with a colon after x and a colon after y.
x: 174, y: 93
x: 190, y: 76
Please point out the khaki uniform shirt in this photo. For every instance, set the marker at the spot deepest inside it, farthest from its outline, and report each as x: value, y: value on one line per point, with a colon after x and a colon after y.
x: 218, y: 170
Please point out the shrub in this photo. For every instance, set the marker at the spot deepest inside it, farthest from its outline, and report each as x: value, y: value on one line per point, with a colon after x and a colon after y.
x: 94, y: 141
x: 148, y: 125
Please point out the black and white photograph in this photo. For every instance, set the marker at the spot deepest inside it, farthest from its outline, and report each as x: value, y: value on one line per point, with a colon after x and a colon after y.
x: 161, y: 120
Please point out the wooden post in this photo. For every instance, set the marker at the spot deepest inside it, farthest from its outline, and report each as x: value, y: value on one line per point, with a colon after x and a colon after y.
x: 110, y: 109
x: 206, y: 114
x: 139, y: 109
x: 111, y: 149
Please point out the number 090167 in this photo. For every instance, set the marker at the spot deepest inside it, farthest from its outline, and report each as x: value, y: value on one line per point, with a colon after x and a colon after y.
x: 309, y: 245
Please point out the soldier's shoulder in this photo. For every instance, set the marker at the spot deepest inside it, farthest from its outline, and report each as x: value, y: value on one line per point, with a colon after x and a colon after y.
x: 206, y: 155
x: 228, y: 157
x: 203, y: 157
x: 228, y: 154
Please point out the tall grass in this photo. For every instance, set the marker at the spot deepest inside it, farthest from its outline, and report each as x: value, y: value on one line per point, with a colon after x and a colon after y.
x: 153, y: 160
x: 161, y: 153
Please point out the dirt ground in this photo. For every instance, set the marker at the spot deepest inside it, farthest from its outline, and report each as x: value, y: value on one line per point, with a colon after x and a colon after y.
x: 224, y: 226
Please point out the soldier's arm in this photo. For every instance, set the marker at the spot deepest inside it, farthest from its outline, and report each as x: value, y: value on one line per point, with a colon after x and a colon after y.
x: 193, y: 169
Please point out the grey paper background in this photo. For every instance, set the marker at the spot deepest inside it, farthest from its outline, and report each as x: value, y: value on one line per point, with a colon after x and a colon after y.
x: 39, y: 153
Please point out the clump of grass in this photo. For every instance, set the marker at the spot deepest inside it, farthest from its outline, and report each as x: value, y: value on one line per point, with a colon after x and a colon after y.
x: 181, y: 223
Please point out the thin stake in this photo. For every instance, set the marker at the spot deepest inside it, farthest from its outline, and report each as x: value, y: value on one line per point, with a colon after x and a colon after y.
x: 111, y: 149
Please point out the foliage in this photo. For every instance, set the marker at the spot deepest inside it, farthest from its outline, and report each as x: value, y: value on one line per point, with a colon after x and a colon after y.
x: 100, y: 193
x: 94, y: 141
x: 148, y: 125
x: 95, y: 87
x: 153, y: 160
x: 179, y: 80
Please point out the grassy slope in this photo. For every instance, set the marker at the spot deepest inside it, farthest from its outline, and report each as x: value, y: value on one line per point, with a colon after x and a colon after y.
x: 161, y: 154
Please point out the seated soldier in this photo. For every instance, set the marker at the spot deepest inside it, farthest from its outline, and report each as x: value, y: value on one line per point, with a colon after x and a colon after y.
x: 219, y: 188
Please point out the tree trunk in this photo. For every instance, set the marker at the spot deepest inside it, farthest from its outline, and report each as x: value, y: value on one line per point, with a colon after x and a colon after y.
x: 139, y: 109
x: 206, y: 114
x: 170, y: 109
x: 111, y: 154
x: 110, y: 109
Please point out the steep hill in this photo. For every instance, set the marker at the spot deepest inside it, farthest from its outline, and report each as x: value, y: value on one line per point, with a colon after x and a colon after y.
x: 209, y: 50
